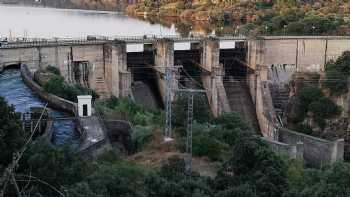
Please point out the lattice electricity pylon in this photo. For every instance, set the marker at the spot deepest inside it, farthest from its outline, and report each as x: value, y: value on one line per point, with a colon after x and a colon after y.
x: 168, y: 110
x: 189, y: 134
x: 170, y: 74
x: 190, y: 97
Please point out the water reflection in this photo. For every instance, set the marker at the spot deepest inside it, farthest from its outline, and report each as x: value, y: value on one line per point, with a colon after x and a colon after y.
x: 185, y: 27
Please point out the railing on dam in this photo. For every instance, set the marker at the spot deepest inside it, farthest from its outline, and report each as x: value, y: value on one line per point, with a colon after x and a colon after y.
x: 7, y: 43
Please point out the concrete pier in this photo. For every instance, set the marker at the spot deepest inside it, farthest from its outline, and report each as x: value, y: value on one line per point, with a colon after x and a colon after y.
x: 163, y: 60
x: 213, y: 78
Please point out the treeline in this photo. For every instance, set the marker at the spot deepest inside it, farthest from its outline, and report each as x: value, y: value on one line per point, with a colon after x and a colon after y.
x: 262, y: 17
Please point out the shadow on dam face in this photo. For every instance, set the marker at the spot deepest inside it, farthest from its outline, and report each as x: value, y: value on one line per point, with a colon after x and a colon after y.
x: 144, y: 79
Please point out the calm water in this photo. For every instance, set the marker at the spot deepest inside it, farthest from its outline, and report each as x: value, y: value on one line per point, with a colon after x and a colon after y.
x: 18, y: 94
x: 49, y: 22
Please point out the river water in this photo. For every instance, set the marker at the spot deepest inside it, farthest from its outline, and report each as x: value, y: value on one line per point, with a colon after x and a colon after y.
x: 34, y: 22
x: 17, y: 21
x: 16, y: 93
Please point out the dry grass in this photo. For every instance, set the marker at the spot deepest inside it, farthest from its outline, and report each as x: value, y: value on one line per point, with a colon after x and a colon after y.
x: 157, y: 152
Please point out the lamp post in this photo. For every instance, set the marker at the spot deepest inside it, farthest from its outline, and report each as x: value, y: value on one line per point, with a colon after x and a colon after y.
x: 284, y: 30
x: 266, y: 28
x: 313, y: 30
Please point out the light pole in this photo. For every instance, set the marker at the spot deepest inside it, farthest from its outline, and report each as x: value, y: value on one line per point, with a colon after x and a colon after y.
x: 313, y: 30
x: 284, y: 30
x: 266, y: 28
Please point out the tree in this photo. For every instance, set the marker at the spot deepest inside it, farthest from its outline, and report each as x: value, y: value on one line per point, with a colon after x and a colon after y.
x: 12, y: 136
x: 337, y: 74
x: 58, y: 166
x: 254, y: 164
x: 329, y: 182
x: 12, y: 139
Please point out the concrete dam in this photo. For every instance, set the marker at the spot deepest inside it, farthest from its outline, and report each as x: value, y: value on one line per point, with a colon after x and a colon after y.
x: 236, y: 72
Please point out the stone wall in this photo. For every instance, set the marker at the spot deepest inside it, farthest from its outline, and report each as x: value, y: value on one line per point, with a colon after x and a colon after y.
x: 53, y: 100
x: 295, y: 151
x: 317, y: 152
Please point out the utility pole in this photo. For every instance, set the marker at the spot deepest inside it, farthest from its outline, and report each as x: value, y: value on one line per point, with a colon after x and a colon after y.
x: 168, y: 110
x: 190, y: 98
x: 170, y: 74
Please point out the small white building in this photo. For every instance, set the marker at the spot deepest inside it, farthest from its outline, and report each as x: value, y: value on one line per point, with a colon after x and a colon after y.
x: 84, y: 105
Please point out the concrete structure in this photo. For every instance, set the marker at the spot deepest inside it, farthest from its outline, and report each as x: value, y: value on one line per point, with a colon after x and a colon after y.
x: 316, y: 152
x: 306, y: 53
x: 84, y: 105
x: 164, y: 59
x: 91, y: 130
x: 213, y: 79
x: 295, y: 151
x: 101, y: 63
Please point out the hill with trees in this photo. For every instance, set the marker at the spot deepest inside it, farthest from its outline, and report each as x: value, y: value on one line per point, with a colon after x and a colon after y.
x: 278, y: 17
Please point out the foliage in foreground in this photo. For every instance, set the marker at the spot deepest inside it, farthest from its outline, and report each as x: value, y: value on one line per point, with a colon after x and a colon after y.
x: 12, y: 137
x: 251, y: 170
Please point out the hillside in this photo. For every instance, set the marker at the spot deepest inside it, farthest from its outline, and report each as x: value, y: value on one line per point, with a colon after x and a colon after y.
x: 260, y: 17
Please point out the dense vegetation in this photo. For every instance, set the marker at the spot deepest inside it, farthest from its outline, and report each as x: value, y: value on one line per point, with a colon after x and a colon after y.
x: 337, y: 75
x: 291, y: 17
x: 315, y: 109
x: 57, y: 86
x: 250, y: 169
x: 312, y: 100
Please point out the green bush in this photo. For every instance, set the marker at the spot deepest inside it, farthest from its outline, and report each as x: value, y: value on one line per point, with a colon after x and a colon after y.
x: 201, y: 110
x: 307, y: 95
x: 141, y: 135
x: 204, y: 145
x: 58, y: 87
x: 311, y: 99
x: 337, y: 74
x: 324, y: 108
x: 232, y: 121
x: 53, y: 70
x: 55, y: 85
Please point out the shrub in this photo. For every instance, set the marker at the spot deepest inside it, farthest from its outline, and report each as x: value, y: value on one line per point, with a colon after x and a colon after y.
x: 232, y: 121
x: 307, y: 95
x: 204, y: 145
x: 201, y: 109
x: 337, y: 74
x: 55, y: 85
x: 140, y: 136
x: 53, y: 70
